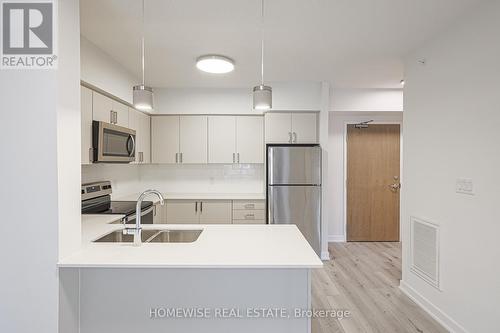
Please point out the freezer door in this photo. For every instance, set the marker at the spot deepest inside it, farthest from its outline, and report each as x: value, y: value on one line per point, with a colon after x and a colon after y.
x: 294, y: 165
x: 299, y: 205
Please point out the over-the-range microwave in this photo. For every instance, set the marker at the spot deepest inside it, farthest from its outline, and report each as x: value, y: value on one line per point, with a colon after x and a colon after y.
x: 112, y: 143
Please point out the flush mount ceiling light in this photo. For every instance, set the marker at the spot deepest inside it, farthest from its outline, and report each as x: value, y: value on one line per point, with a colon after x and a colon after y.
x: 215, y: 64
x: 142, y: 94
x: 262, y: 94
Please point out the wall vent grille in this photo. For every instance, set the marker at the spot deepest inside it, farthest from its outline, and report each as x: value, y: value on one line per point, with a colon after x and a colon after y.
x: 424, y: 250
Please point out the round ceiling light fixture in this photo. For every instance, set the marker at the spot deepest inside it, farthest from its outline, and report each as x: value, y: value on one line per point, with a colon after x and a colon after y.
x: 215, y: 64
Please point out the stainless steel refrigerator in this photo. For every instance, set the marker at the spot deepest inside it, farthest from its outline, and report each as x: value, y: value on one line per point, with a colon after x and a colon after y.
x: 294, y: 189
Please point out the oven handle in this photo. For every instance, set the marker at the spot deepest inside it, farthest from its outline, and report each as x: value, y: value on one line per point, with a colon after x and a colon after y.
x: 143, y: 213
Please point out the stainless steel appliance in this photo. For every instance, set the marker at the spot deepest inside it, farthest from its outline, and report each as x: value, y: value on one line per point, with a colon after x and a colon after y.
x: 96, y: 199
x: 112, y: 143
x: 294, y: 189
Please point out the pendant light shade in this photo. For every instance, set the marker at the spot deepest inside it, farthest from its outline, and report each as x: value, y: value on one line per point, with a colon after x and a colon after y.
x: 142, y: 94
x: 262, y: 97
x: 143, y: 98
x: 262, y: 94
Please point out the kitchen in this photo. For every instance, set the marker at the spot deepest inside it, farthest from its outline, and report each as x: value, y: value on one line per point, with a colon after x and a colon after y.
x: 238, y: 166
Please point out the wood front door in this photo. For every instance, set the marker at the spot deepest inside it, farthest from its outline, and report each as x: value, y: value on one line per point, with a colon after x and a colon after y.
x: 373, y: 182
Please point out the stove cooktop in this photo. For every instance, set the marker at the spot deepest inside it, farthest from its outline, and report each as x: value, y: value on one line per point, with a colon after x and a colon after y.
x: 114, y: 207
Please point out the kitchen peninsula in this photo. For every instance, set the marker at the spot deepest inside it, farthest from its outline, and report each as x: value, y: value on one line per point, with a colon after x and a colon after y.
x: 241, y: 270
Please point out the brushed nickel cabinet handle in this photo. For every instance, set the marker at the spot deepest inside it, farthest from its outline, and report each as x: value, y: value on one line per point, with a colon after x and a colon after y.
x: 234, y: 158
x: 294, y: 137
x: 181, y: 157
x: 111, y: 117
x: 176, y: 157
x: 289, y: 137
x: 196, y: 207
x: 238, y: 157
x: 249, y: 216
x: 249, y: 206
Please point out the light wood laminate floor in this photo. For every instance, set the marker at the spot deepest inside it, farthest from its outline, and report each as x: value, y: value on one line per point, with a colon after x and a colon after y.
x: 363, y: 278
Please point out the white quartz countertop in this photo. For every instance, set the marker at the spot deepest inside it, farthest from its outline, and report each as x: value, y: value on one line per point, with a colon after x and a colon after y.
x: 194, y: 196
x: 218, y: 246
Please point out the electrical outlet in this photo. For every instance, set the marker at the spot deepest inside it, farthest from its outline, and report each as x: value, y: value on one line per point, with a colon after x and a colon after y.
x: 465, y: 186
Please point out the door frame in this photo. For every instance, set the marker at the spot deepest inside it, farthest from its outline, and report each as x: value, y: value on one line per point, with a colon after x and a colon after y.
x: 351, y: 122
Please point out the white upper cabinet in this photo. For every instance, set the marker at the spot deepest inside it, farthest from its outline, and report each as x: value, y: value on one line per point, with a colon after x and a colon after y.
x: 108, y: 110
x: 86, y: 119
x: 165, y: 139
x: 193, y: 139
x: 102, y: 108
x: 121, y: 114
x: 304, y: 127
x: 250, y: 139
x: 235, y: 139
x: 140, y: 122
x: 146, y: 135
x: 278, y: 127
x: 222, y: 139
x: 294, y: 127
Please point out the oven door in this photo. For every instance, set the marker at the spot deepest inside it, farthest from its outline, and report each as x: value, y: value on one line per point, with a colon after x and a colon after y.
x: 112, y: 144
x: 146, y: 217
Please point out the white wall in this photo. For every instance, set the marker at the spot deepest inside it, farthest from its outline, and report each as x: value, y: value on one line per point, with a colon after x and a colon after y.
x: 102, y: 71
x: 32, y: 103
x: 336, y: 163
x: 286, y: 96
x: 367, y: 100
x: 452, y: 111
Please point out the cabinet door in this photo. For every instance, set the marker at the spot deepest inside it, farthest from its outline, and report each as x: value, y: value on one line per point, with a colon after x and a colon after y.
x: 304, y: 127
x: 86, y: 118
x: 250, y: 139
x: 193, y: 139
x: 134, y: 123
x: 121, y: 114
x: 215, y: 212
x: 164, y: 139
x: 146, y: 137
x: 222, y: 139
x: 159, y: 214
x: 182, y: 211
x: 278, y: 127
x: 102, y: 108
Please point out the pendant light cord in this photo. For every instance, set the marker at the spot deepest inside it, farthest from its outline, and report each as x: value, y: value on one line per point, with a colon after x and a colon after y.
x: 262, y: 44
x: 142, y: 43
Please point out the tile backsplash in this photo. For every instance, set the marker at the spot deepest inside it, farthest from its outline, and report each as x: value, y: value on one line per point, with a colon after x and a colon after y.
x: 187, y: 178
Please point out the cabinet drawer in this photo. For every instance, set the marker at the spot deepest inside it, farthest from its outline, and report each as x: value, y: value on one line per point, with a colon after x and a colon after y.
x: 249, y: 204
x: 257, y: 214
x: 249, y: 222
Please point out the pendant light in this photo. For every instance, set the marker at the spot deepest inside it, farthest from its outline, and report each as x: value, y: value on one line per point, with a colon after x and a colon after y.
x: 262, y: 94
x: 143, y: 95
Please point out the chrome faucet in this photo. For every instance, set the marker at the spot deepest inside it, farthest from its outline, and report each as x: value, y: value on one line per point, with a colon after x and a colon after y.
x: 137, y: 230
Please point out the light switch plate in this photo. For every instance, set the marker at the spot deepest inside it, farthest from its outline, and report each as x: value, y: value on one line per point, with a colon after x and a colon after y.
x: 465, y: 186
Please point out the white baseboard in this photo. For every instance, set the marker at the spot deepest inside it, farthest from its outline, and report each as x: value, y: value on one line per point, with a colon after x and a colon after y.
x: 336, y: 238
x: 325, y: 255
x: 436, y: 313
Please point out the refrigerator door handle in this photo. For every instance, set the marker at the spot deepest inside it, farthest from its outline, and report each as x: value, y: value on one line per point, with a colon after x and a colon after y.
x: 270, y: 210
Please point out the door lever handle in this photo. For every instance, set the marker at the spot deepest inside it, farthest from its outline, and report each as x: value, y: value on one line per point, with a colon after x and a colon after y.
x: 395, y: 187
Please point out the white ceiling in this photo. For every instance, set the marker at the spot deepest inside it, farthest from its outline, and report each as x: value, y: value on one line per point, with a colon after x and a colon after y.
x: 351, y: 43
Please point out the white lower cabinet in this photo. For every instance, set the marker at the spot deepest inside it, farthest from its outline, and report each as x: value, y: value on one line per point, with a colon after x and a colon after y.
x: 182, y: 212
x: 249, y: 212
x: 198, y: 211
x: 215, y: 212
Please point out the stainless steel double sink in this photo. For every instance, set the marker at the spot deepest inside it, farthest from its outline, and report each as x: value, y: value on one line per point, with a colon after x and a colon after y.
x: 152, y: 236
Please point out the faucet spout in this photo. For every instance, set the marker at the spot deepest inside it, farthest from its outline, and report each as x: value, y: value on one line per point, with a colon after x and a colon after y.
x: 137, y: 231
